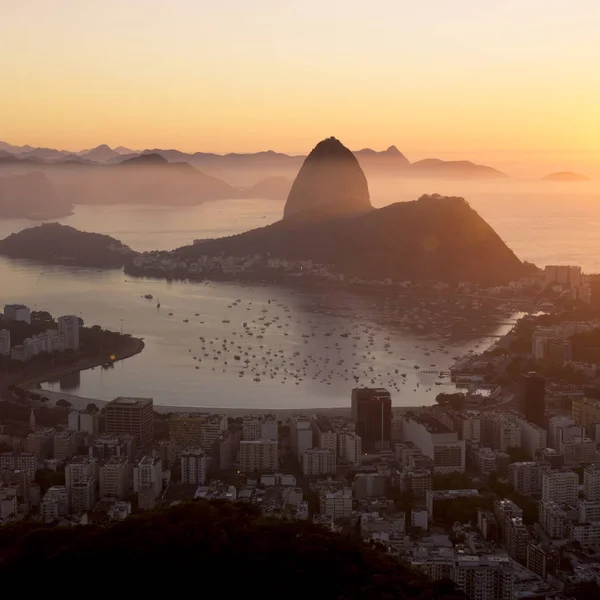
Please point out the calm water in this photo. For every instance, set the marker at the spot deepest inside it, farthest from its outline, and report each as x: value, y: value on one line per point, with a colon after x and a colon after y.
x: 330, y: 340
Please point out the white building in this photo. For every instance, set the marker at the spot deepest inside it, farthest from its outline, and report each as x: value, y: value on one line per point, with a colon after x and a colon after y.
x: 437, y: 441
x: 560, y: 486
x: 114, y: 477
x: 562, y: 428
x: 4, y: 342
x: 17, y: 312
x: 578, y: 451
x: 83, y: 421
x: 259, y: 427
x: 587, y: 534
x: 147, y: 474
x: 533, y: 438
x: 301, y: 436
x: 349, y: 448
x: 369, y: 485
x: 336, y: 504
x: 589, y: 512
x: 259, y: 455
x: 419, y: 518
x: 69, y: 327
x: 193, y: 466
x: 318, y: 462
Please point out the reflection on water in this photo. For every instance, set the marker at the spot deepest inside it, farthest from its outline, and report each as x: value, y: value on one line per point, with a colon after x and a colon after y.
x: 236, y: 345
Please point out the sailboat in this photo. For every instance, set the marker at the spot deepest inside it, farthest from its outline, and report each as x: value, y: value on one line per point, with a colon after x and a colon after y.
x: 158, y: 303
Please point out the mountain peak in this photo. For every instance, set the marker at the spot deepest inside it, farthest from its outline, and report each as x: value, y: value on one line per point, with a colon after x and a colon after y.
x: 330, y: 182
x: 394, y: 151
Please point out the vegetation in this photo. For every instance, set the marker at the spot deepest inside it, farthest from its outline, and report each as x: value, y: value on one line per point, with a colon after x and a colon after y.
x: 302, y: 560
x: 455, y: 400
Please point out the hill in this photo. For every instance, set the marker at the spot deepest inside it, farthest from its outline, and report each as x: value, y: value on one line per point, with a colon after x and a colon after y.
x: 165, y: 550
x: 390, y: 161
x: 453, y: 169
x: 433, y: 238
x: 55, y: 243
x: 271, y: 188
x: 331, y: 181
x: 31, y: 196
x: 566, y: 176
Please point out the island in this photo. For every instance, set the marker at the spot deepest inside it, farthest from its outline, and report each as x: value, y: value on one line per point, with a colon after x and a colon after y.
x: 62, y: 244
x: 565, y: 176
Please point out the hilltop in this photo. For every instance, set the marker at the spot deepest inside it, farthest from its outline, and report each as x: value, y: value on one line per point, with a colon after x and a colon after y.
x: 330, y: 182
x: 432, y: 238
x: 296, y: 560
x: 55, y: 243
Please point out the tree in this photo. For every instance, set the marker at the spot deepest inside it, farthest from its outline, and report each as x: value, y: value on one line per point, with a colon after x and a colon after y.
x: 63, y: 402
x: 517, y: 454
x: 92, y: 408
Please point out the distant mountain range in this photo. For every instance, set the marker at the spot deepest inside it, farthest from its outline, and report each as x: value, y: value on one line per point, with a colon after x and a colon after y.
x: 566, y: 176
x: 389, y: 162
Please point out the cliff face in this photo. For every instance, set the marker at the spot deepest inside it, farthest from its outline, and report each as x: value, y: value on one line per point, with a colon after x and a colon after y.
x: 330, y: 183
x: 433, y: 238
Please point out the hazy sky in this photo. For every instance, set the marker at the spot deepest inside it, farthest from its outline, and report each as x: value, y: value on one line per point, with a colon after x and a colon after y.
x: 431, y: 76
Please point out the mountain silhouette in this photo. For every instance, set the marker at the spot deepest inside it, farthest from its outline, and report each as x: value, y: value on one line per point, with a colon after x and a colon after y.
x: 100, y: 153
x: 566, y: 176
x: 330, y: 182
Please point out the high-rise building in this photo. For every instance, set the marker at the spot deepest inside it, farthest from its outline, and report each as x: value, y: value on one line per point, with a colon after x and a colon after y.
x: 54, y: 504
x: 591, y: 483
x: 503, y: 511
x: 525, y: 477
x: 84, y: 421
x: 80, y: 481
x: 488, y: 577
x: 301, y: 436
x: 69, y: 327
x: 259, y: 427
x: 259, y: 455
x: 560, y: 486
x: 369, y: 485
x: 372, y: 413
x: 193, y: 466
x: 586, y: 412
x: 132, y: 416
x: 4, y: 342
x: 542, y: 559
x: 17, y: 312
x: 196, y: 430
x: 40, y: 443
x: 318, y: 462
x: 114, y: 477
x: 516, y: 539
x: 19, y: 461
x: 65, y: 444
x: 147, y: 475
x: 532, y: 398
x: 349, y: 447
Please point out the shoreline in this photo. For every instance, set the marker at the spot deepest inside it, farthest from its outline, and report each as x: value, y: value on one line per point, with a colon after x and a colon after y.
x: 132, y: 347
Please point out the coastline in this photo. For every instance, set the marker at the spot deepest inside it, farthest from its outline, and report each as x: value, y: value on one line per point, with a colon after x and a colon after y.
x: 132, y: 347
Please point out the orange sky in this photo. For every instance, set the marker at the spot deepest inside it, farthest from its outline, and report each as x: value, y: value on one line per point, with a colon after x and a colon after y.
x: 497, y: 79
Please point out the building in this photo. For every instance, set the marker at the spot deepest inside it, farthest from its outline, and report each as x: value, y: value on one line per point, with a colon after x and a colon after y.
x: 259, y: 427
x: 193, y: 466
x: 589, y: 511
x: 578, y: 451
x: 560, y: 486
x: 587, y: 534
x: 259, y: 455
x: 112, y: 445
x: 591, y: 483
x: 416, y: 481
x: 324, y: 435
x: 489, y: 577
x: 563, y: 275
x: 484, y: 460
x: 516, y: 539
x: 17, y: 312
x: 65, y: 444
x: 532, y: 398
x: 525, y: 477
x: 542, y: 559
x: 436, y: 500
x: 468, y: 426
x: 369, y: 485
x: 54, y: 504
x: 349, y: 448
x: 40, y: 443
x: 301, y: 436
x: 437, y: 441
x: 336, y: 504
x: 562, y: 428
x: 80, y: 481
x: 19, y: 461
x: 503, y: 511
x: 318, y: 461
x: 147, y: 475
x: 556, y: 519
x: 84, y: 421
x: 4, y: 342
x: 586, y: 412
x: 372, y: 413
x: 533, y: 437
x: 196, y: 430
x: 225, y: 449
x: 69, y: 327
x: 114, y: 477
x: 132, y: 416
x: 419, y: 518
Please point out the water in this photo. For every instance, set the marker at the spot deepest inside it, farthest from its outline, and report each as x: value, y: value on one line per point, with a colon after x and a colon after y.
x: 557, y: 226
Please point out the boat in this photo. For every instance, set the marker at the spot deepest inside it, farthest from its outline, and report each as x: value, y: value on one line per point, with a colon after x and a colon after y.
x: 148, y: 296
x: 158, y: 303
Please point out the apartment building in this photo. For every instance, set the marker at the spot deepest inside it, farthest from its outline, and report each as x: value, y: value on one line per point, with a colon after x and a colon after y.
x: 193, y: 466
x: 259, y: 455
x: 318, y: 462
x: 131, y: 416
x: 114, y: 476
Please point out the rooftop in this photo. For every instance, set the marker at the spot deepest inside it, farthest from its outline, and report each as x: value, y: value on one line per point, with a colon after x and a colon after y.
x: 130, y: 401
x: 432, y: 424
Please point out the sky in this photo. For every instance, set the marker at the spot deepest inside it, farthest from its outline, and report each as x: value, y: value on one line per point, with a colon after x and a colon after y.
x: 499, y: 79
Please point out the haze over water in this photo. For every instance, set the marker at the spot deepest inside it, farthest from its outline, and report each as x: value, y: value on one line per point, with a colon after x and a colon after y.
x: 539, y: 221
